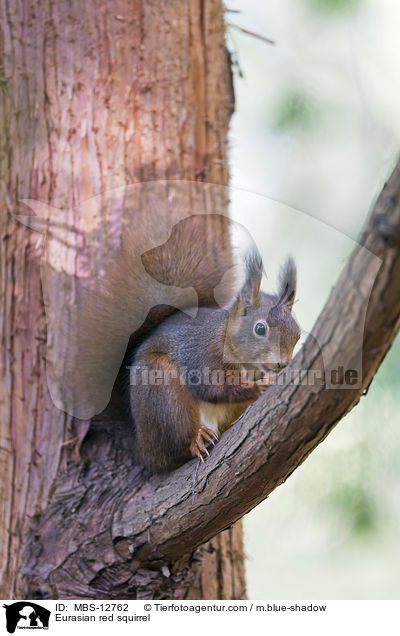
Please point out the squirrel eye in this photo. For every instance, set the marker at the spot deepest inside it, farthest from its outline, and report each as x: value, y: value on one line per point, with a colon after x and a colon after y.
x: 260, y: 329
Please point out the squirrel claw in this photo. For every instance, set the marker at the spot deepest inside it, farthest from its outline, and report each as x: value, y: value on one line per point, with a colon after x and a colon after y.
x: 208, y: 435
x: 204, y: 437
x: 196, y: 451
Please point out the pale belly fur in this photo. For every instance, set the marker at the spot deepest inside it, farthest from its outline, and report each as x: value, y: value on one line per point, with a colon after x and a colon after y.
x: 219, y: 417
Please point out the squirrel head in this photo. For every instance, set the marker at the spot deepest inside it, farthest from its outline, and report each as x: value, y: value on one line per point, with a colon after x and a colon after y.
x: 261, y: 329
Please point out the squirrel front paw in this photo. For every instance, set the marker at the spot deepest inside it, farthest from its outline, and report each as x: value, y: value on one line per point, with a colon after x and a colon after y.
x: 204, y: 437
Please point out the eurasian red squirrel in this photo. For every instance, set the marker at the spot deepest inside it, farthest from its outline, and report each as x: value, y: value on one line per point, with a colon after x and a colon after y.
x: 190, y: 378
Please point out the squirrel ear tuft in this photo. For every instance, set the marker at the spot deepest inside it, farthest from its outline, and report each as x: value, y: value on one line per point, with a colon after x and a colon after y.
x: 249, y: 295
x: 287, y: 283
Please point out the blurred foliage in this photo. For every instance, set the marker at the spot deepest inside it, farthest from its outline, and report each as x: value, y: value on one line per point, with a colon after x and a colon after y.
x: 295, y: 111
x: 356, y: 505
x: 333, y: 5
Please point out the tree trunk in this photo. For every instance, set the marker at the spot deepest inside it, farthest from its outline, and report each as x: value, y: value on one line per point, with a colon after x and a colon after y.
x: 93, y: 96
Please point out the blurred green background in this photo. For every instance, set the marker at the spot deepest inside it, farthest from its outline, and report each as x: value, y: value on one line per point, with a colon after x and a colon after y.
x: 315, y: 134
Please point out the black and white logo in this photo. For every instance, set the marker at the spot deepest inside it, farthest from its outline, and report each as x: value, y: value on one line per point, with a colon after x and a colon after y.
x: 26, y: 615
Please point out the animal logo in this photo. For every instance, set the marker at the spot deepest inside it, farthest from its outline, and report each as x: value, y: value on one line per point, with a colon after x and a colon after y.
x: 25, y: 614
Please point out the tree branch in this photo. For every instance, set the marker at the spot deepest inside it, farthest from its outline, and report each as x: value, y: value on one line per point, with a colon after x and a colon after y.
x: 155, y: 525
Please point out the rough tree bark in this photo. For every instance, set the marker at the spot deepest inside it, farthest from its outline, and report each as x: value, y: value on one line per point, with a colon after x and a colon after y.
x: 93, y: 96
